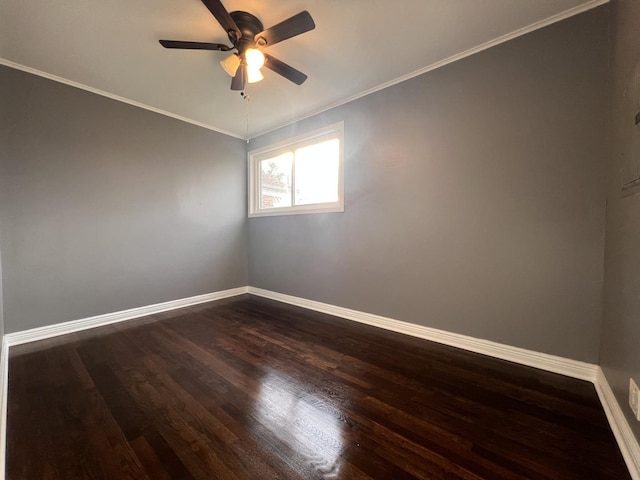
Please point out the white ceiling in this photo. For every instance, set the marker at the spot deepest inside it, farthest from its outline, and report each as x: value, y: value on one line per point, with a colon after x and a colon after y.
x: 358, y: 46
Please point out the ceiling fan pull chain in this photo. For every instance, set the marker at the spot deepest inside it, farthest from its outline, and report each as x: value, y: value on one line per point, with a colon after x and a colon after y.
x: 246, y: 97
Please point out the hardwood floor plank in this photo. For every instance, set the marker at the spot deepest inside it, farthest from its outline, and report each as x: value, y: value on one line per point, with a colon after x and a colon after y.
x: 136, y: 424
x: 87, y: 408
x: 23, y: 414
x: 244, y: 393
x: 248, y: 388
x: 196, y: 446
x: 237, y: 445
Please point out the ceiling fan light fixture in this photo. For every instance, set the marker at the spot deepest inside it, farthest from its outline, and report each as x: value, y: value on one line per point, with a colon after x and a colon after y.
x: 254, y: 75
x: 254, y: 59
x: 231, y: 64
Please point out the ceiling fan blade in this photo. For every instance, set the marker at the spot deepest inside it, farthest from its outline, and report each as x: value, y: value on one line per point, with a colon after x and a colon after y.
x: 287, y: 71
x: 239, y: 81
x: 195, y: 45
x: 224, y: 19
x: 300, y: 23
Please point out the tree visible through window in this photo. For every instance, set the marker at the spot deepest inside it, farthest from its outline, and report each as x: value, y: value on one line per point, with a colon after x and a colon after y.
x: 275, y: 182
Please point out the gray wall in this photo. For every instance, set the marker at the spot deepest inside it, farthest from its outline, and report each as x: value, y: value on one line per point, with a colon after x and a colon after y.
x: 620, y: 355
x: 1, y: 303
x: 475, y: 198
x: 106, y: 207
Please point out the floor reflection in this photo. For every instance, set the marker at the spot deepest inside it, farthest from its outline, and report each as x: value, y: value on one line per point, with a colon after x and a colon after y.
x: 306, y: 423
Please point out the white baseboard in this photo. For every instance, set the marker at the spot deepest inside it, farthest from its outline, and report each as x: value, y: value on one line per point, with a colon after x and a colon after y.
x: 624, y: 436
x: 50, y: 331
x: 543, y: 361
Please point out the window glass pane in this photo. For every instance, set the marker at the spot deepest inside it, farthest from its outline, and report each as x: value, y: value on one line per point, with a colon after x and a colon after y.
x: 275, y: 181
x: 317, y: 169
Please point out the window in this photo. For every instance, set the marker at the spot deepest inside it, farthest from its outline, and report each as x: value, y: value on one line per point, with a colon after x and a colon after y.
x: 299, y: 175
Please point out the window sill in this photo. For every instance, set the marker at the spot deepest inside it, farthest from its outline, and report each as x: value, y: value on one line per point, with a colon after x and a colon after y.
x: 297, y: 211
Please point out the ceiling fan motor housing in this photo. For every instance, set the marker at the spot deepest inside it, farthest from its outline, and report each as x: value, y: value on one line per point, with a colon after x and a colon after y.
x: 249, y: 26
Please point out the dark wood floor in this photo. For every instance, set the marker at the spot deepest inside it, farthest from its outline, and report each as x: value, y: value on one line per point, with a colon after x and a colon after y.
x: 247, y: 388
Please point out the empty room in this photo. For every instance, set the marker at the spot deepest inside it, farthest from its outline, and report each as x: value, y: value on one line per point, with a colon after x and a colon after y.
x: 320, y: 240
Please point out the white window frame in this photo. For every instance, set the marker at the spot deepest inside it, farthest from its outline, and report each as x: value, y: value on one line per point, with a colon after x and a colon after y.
x: 329, y: 132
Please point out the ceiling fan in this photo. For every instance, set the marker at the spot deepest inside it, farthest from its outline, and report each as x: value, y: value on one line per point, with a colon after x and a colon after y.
x: 248, y: 38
